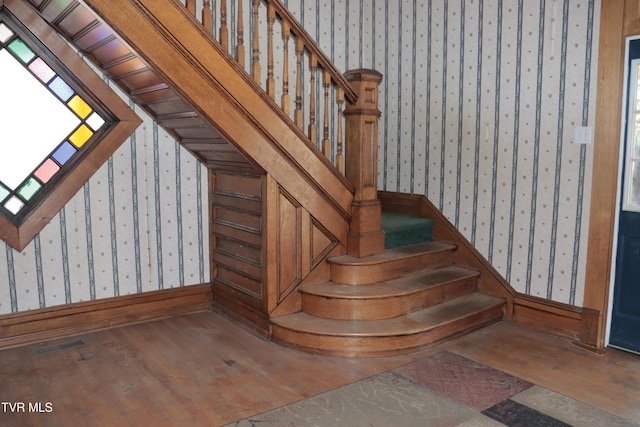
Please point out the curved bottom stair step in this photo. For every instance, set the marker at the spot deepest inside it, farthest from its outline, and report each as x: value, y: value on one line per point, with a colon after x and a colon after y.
x: 388, y: 299
x: 391, y: 264
x: 399, y: 335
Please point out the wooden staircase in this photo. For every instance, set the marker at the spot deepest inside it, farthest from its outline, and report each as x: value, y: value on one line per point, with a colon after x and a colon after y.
x: 297, y: 244
x: 402, y: 300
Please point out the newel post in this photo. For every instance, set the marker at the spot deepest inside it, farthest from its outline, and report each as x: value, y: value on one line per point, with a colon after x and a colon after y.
x: 361, y: 157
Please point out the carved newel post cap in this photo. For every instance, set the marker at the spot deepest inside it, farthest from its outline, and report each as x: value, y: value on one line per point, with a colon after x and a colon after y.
x: 363, y: 74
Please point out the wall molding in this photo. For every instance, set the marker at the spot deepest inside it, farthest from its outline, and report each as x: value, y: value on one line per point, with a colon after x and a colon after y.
x: 90, y: 316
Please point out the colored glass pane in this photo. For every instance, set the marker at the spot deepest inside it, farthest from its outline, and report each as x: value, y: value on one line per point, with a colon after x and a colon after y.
x: 3, y: 192
x: 95, y: 121
x: 41, y: 70
x: 5, y: 33
x: 21, y: 50
x: 64, y: 153
x: 79, y: 106
x: 29, y: 189
x: 61, y: 89
x: 46, y: 171
x: 14, y: 205
x: 45, y: 122
x: 80, y: 136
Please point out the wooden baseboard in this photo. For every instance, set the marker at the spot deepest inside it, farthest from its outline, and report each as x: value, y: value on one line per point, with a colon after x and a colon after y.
x: 71, y: 319
x: 556, y: 318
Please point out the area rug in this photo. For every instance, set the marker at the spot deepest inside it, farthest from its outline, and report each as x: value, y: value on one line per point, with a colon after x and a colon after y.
x: 442, y: 390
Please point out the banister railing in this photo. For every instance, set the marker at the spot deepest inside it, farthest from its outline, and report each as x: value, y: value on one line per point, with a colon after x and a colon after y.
x: 317, y: 101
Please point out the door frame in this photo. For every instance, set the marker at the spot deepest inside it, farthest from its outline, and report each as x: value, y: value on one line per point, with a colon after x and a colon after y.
x: 620, y: 173
x: 618, y: 19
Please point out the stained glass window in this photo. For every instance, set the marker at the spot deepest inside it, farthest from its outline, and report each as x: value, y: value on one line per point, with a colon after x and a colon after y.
x: 59, y: 122
x: 44, y: 122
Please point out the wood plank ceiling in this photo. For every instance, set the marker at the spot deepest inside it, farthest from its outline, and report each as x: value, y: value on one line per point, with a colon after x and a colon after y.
x: 142, y: 83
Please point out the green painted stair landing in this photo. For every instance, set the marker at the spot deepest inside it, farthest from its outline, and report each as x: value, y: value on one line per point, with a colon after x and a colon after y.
x: 404, y: 230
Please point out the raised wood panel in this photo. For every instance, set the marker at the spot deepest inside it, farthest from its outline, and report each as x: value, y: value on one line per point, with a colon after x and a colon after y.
x: 166, y: 107
x: 113, y: 51
x: 242, y: 185
x: 133, y: 81
x: 237, y: 219
x: 92, y: 36
x: 241, y: 265
x: 321, y: 243
x: 238, y: 201
x: 222, y: 230
x: 298, y: 243
x: 76, y: 20
x: 245, y: 220
x: 148, y: 96
x: 241, y: 249
x: 54, y: 9
x: 127, y: 66
x: 289, y: 245
x: 239, y: 280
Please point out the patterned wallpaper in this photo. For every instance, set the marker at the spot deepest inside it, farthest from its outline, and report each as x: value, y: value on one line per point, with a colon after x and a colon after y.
x: 480, y: 101
x: 139, y: 224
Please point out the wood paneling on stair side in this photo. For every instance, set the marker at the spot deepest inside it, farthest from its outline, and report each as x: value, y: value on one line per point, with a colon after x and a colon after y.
x: 264, y: 245
x: 237, y: 246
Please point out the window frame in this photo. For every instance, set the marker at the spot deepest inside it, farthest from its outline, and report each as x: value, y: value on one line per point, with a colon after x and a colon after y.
x: 18, y: 232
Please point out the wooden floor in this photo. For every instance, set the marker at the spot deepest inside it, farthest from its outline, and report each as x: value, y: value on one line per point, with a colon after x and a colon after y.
x: 202, y: 370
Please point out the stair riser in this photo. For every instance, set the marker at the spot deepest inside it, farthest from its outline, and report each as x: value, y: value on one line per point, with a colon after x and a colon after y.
x: 389, y: 269
x: 368, y: 346
x: 351, y: 308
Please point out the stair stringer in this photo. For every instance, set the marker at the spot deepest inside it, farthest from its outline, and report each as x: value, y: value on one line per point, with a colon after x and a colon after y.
x: 194, y: 64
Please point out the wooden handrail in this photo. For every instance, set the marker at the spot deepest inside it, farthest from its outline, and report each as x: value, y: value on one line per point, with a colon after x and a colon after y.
x: 295, y: 29
x: 323, y: 61
x: 317, y: 105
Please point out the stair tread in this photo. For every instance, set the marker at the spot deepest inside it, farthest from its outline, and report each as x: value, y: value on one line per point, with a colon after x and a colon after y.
x: 395, y: 287
x: 412, y: 323
x: 394, y: 253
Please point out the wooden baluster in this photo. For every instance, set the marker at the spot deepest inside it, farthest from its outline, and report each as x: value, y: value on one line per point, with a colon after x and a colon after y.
x: 191, y: 7
x: 271, y: 83
x: 255, y: 58
x: 326, y: 144
x: 206, y: 16
x: 285, y: 99
x: 224, y: 29
x: 313, y: 128
x: 298, y: 117
x: 240, y: 46
x: 339, y: 150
